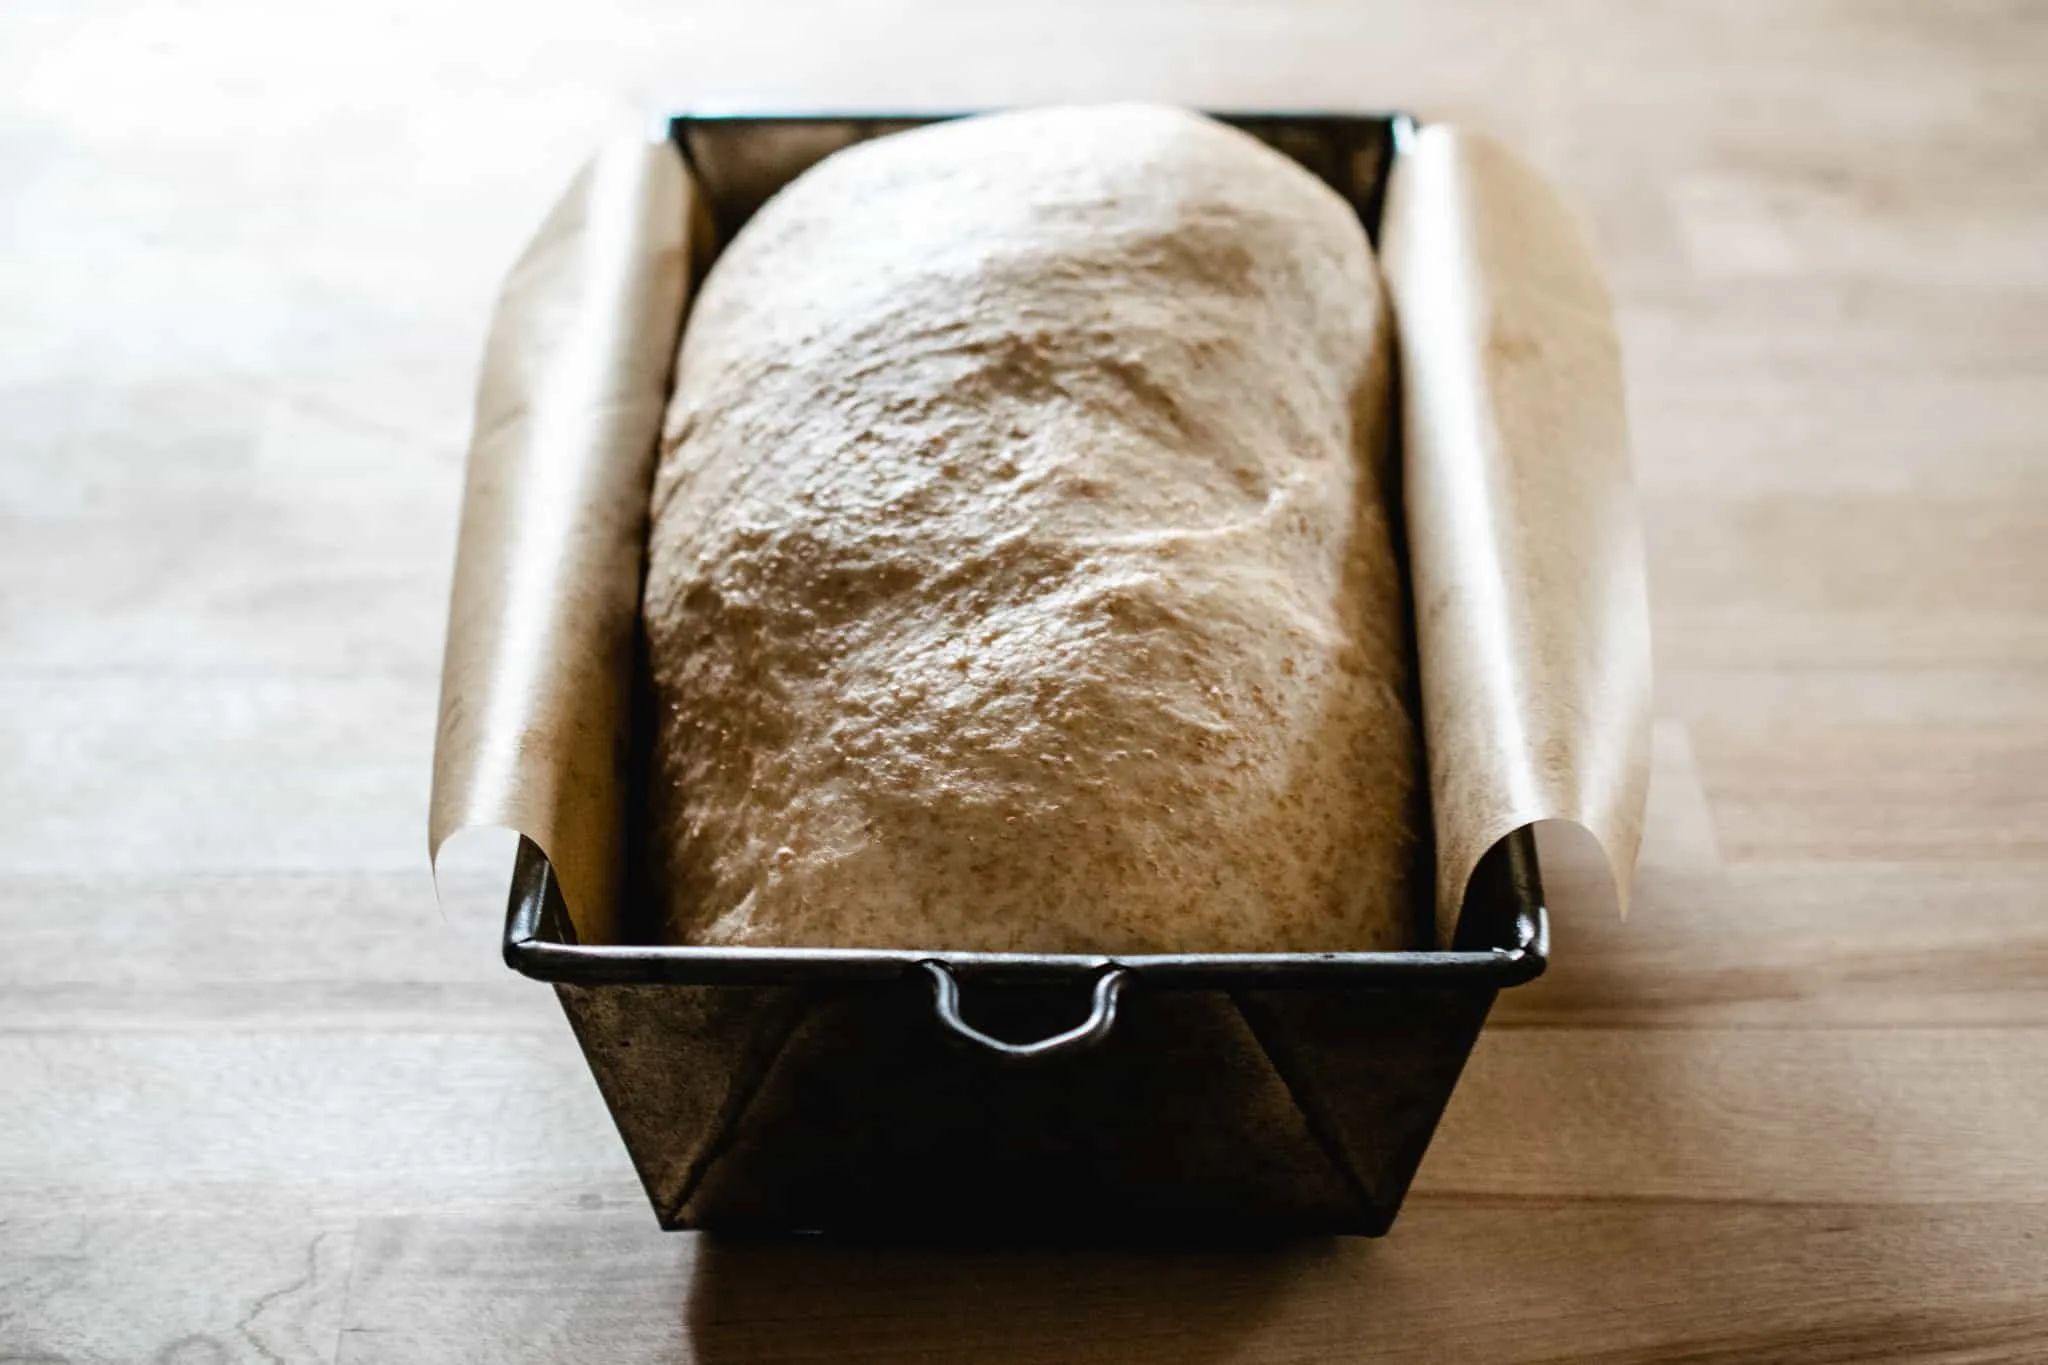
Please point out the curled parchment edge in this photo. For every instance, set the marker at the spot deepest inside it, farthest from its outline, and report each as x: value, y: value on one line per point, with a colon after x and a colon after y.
x: 1525, y: 548
x: 537, y: 675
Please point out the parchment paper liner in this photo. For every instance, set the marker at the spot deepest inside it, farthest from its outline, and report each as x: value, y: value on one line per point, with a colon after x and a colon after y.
x: 1532, y: 623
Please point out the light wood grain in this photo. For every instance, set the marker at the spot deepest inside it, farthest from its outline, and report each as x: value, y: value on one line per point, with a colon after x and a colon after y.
x: 258, y: 1103
x: 174, y: 1287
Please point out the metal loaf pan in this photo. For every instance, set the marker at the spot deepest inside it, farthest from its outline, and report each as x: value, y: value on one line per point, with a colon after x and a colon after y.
x: 894, y: 1092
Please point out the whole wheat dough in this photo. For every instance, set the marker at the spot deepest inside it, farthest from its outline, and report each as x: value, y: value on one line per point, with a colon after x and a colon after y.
x: 1020, y: 574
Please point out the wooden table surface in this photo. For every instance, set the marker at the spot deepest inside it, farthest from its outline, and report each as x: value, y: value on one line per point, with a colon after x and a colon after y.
x: 258, y: 1103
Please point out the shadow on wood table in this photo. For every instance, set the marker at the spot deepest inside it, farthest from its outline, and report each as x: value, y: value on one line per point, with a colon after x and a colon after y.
x: 811, y: 1299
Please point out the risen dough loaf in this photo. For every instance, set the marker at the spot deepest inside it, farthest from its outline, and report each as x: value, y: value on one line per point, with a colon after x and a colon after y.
x: 1021, y: 574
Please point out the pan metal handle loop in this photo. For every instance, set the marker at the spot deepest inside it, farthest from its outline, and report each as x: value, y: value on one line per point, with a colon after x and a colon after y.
x: 1090, y: 1031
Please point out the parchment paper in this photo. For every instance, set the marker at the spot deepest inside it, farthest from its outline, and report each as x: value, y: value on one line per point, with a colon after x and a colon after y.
x: 535, y: 683
x: 1532, y: 625
x: 1532, y: 620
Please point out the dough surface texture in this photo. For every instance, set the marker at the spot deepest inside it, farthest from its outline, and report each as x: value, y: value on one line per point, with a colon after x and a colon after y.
x: 1021, y: 574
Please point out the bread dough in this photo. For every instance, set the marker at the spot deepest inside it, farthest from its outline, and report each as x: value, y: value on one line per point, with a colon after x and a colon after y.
x: 1021, y: 575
